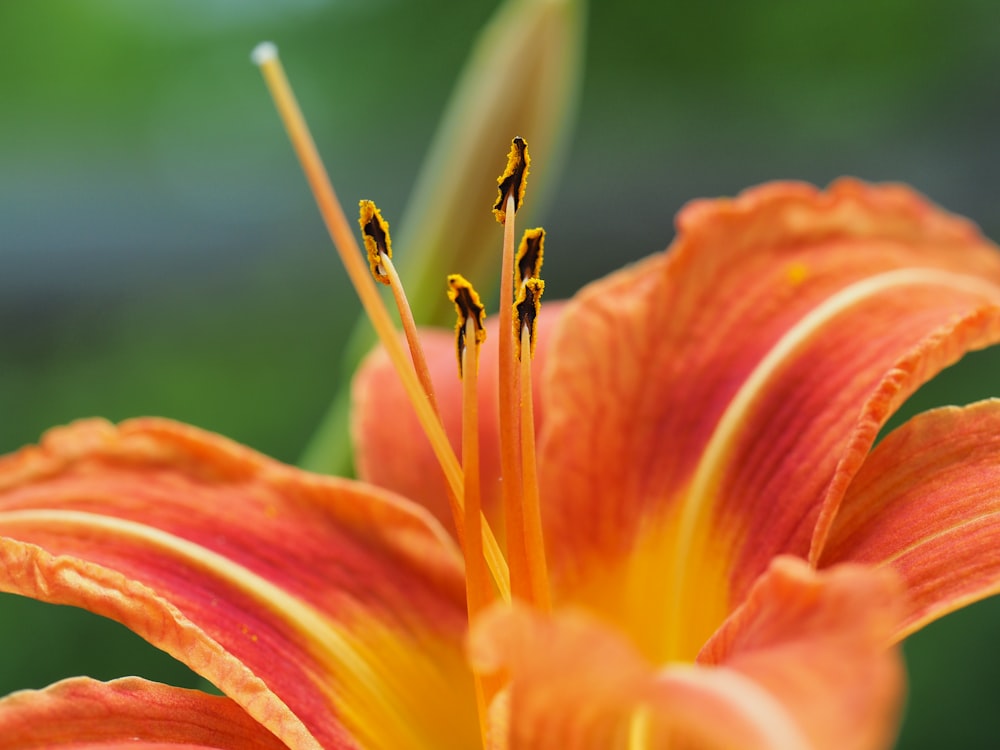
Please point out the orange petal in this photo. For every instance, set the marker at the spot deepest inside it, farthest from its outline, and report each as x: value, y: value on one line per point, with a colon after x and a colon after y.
x: 698, y: 403
x: 575, y: 683
x: 819, y: 643
x: 394, y: 454
x: 927, y: 504
x: 326, y: 608
x: 127, y: 713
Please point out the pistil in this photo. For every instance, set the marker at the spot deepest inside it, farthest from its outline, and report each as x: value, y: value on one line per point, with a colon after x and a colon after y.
x: 265, y: 55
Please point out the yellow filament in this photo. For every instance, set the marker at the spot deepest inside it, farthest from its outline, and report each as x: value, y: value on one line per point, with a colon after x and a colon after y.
x: 534, y: 542
x: 358, y: 271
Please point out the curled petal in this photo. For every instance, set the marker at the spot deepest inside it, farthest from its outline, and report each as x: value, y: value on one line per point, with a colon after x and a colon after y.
x: 789, y: 672
x: 127, y: 713
x: 926, y: 503
x: 819, y: 643
x: 576, y: 684
x: 731, y: 387
x: 327, y: 609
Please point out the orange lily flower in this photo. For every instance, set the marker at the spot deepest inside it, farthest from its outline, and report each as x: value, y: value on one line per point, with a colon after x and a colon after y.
x: 333, y: 612
x: 683, y: 545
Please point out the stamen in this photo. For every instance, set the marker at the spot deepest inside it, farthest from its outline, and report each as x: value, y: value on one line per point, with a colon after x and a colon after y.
x: 469, y: 335
x: 513, y: 180
x: 525, y: 548
x: 378, y: 244
x: 509, y: 414
x: 469, y: 307
x: 527, y: 307
x: 530, y: 254
x: 375, y: 232
x: 529, y: 302
x: 265, y: 56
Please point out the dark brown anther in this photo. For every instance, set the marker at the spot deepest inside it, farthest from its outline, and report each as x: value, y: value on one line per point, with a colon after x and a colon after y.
x: 514, y: 178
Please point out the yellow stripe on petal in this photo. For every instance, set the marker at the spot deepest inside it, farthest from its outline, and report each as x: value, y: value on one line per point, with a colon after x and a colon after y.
x: 363, y: 660
x: 435, y: 691
x: 732, y: 420
x: 697, y: 517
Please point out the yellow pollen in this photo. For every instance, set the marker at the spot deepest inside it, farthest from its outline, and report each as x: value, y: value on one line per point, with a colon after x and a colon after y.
x: 470, y: 309
x: 526, y: 309
x: 530, y: 254
x: 513, y: 180
x: 375, y: 232
x: 796, y: 273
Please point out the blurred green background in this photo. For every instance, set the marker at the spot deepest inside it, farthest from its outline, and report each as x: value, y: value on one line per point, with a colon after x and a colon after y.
x: 160, y: 253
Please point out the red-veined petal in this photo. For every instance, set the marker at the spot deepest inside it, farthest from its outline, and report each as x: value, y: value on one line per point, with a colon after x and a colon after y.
x: 927, y: 504
x: 331, y: 611
x: 394, y: 453
x: 698, y: 403
x: 127, y: 713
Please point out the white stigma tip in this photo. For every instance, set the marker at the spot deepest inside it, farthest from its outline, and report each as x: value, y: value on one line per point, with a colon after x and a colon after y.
x: 264, y: 52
